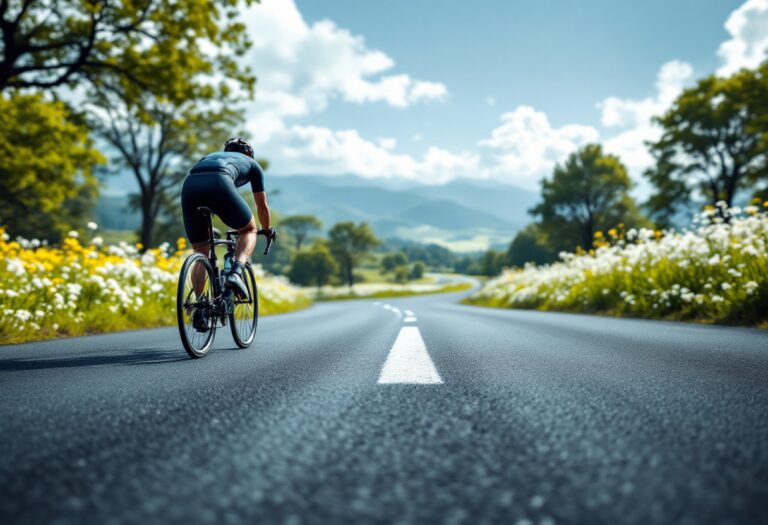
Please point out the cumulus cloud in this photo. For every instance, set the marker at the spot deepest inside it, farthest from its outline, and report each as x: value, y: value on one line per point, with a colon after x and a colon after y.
x: 526, y: 147
x: 302, y: 67
x: 322, y: 151
x: 748, y: 45
x: 632, y: 117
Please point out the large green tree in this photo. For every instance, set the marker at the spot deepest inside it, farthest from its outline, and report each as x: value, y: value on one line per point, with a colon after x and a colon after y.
x: 46, y: 167
x: 713, y: 143
x: 350, y: 244
x: 50, y: 43
x: 189, y: 107
x: 156, y: 143
x: 301, y: 227
x: 587, y: 193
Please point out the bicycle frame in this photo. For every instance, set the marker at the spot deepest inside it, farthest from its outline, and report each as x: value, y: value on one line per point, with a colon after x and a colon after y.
x: 223, y: 310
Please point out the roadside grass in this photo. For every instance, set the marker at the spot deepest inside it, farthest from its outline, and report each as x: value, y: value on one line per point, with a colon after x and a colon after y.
x: 715, y: 273
x: 383, y: 290
x: 373, y: 274
x: 90, y: 287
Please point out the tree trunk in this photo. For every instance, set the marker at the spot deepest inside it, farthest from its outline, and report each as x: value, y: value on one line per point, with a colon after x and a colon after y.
x: 350, y: 274
x: 589, y: 234
x: 147, y: 223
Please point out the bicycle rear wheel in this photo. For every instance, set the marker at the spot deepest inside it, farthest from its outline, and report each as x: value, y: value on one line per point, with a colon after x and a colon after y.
x: 245, y: 314
x: 194, y: 298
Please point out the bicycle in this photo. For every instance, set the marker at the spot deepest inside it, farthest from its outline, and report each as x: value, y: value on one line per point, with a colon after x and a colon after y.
x: 202, y: 293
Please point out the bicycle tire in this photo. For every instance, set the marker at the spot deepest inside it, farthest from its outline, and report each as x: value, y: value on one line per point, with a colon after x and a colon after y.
x: 189, y: 341
x: 244, y: 339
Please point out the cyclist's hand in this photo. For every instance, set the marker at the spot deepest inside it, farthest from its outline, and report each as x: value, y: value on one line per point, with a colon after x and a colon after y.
x: 271, y: 234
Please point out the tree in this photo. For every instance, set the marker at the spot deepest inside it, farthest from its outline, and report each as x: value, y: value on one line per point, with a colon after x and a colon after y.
x: 417, y: 270
x: 400, y: 275
x: 155, y: 141
x: 393, y: 260
x: 47, y: 185
x: 155, y: 132
x: 314, y: 266
x: 492, y: 262
x: 589, y: 192
x: 301, y: 226
x: 350, y: 244
x: 50, y: 43
x: 713, y: 143
x: 529, y: 246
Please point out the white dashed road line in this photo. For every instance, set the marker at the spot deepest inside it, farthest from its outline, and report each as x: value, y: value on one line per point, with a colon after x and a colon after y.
x: 408, y: 360
x: 408, y: 313
x: 409, y: 319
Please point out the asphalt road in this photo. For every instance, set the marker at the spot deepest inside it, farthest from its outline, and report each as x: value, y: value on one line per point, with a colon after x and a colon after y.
x: 500, y: 416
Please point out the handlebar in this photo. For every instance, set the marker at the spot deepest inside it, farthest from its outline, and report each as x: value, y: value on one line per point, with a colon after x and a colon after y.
x: 269, y: 240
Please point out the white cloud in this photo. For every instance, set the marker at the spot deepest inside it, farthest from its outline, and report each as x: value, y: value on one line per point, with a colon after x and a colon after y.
x: 302, y: 67
x: 633, y: 117
x: 748, y: 45
x: 525, y: 147
x: 322, y: 151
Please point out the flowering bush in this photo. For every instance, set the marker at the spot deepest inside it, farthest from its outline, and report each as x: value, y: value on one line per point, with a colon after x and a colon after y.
x: 88, y: 287
x: 716, y: 272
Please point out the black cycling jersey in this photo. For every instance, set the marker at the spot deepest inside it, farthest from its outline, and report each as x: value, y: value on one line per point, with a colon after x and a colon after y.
x: 239, y: 167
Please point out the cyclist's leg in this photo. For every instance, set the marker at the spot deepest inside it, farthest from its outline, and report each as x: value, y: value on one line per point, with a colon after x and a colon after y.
x: 196, y: 226
x: 246, y: 241
x: 198, y: 272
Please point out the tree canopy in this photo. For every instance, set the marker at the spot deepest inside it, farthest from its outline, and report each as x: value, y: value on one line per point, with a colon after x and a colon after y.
x: 713, y: 143
x: 50, y: 43
x: 350, y: 244
x: 301, y: 226
x: 587, y: 193
x: 315, y: 266
x: 46, y: 167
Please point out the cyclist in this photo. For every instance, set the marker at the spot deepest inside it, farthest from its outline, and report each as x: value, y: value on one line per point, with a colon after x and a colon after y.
x: 213, y: 183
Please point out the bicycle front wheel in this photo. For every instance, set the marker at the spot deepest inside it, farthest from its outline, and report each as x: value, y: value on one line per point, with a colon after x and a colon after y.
x: 245, y: 314
x: 194, y: 305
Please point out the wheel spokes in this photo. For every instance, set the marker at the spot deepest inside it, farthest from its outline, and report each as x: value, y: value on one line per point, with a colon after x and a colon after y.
x: 198, y: 295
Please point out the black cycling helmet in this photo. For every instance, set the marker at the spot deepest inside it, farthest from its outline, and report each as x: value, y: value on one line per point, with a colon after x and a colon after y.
x: 240, y: 145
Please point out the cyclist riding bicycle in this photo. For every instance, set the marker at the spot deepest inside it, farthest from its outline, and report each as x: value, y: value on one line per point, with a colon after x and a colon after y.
x: 213, y: 183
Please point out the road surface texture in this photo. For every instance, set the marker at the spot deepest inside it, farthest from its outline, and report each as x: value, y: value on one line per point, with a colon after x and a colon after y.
x: 410, y: 410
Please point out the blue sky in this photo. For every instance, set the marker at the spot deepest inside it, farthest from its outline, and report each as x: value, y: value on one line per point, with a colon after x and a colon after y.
x: 561, y: 57
x: 501, y: 90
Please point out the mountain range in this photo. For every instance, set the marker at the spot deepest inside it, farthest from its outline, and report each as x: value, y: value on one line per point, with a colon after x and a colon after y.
x: 464, y: 214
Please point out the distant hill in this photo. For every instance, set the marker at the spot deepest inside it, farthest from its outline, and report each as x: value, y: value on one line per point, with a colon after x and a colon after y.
x: 464, y: 214
x: 487, y: 211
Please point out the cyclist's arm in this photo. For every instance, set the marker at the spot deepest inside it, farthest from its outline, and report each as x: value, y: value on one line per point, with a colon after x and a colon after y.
x: 262, y: 209
x: 259, y: 195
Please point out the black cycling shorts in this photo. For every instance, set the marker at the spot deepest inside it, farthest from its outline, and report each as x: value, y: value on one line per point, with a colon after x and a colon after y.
x: 217, y: 192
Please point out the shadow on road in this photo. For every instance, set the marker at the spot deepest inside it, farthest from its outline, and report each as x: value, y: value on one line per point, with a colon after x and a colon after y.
x: 143, y: 357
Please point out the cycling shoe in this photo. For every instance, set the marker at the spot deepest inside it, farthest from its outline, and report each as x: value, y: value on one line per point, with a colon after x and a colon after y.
x: 234, y: 281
